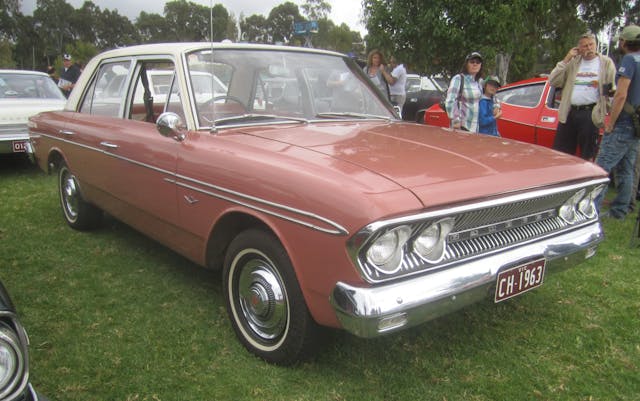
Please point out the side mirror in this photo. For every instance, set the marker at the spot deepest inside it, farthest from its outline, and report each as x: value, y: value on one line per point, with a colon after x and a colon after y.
x: 170, y: 125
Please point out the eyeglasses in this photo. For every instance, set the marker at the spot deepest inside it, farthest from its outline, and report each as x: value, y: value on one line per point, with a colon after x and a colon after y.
x: 475, y: 61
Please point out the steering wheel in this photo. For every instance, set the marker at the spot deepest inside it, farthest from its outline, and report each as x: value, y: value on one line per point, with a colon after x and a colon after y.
x: 229, y: 103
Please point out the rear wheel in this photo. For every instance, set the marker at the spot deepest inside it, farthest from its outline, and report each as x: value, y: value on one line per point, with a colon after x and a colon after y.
x: 78, y: 213
x: 264, y: 301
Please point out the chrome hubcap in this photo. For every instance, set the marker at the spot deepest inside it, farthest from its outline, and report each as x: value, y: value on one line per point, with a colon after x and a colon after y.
x: 262, y: 299
x: 69, y: 193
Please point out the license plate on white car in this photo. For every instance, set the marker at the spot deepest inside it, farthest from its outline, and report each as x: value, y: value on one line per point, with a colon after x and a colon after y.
x: 519, y: 279
x: 19, y: 146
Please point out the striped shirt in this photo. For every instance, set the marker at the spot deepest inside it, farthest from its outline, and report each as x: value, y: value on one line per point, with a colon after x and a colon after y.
x: 466, y: 110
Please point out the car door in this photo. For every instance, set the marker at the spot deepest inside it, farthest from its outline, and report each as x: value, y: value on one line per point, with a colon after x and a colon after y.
x: 521, y: 111
x: 548, y: 118
x: 134, y: 167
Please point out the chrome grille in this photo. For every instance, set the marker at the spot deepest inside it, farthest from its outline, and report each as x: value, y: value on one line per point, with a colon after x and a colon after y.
x: 482, y: 228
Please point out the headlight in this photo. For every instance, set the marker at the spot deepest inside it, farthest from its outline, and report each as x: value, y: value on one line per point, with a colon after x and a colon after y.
x: 432, y: 241
x: 386, y: 252
x: 587, y: 205
x: 568, y: 211
x: 11, y: 360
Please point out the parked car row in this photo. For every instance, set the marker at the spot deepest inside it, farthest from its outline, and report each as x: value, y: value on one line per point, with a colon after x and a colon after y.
x: 318, y: 206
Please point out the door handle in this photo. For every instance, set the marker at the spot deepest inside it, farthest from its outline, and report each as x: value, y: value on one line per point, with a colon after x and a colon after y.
x: 109, y: 145
x: 65, y: 132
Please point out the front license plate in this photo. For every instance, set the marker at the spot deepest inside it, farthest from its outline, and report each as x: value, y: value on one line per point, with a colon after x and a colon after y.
x: 19, y: 146
x: 519, y: 279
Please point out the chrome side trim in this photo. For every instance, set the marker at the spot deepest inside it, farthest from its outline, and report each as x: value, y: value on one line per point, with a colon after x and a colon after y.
x: 178, y: 179
x: 338, y: 229
x: 422, y: 298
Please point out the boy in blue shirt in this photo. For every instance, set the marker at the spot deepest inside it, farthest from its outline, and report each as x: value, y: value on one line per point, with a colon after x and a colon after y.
x: 489, y: 110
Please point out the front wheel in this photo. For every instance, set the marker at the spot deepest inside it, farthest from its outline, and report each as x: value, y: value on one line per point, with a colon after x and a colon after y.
x: 78, y: 213
x: 264, y: 301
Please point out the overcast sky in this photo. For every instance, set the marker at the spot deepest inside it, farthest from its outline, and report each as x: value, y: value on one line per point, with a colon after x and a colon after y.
x: 347, y: 11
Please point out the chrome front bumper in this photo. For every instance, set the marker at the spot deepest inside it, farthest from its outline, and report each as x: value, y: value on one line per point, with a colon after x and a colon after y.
x: 373, y: 311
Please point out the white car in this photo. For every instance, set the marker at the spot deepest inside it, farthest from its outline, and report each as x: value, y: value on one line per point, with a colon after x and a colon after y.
x: 22, y: 95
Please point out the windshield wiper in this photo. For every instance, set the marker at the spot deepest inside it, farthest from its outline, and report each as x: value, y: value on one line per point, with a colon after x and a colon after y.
x: 352, y: 115
x: 251, y: 117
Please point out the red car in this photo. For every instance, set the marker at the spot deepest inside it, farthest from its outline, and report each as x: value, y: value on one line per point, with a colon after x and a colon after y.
x: 529, y: 111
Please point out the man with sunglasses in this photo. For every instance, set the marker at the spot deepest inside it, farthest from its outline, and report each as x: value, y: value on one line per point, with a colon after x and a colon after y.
x: 583, y: 76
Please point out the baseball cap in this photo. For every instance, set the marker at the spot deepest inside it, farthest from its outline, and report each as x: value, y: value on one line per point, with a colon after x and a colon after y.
x: 473, y: 55
x: 66, y: 56
x: 630, y: 33
x: 493, y: 80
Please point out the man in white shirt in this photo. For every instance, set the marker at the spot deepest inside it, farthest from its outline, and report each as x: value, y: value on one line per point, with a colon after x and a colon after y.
x: 397, y: 83
x: 584, y: 75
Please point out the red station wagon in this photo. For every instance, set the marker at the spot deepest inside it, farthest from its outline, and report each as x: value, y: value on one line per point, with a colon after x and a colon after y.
x: 529, y: 111
x: 286, y: 170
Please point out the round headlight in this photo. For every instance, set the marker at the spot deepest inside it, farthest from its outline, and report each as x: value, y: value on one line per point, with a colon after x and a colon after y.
x: 568, y: 211
x: 385, y: 253
x: 11, y: 360
x: 587, y: 205
x: 432, y: 241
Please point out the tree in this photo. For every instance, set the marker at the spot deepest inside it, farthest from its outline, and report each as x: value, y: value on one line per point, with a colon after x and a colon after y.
x: 280, y: 21
x: 152, y: 28
x: 337, y: 38
x: 188, y: 21
x: 9, y: 9
x: 316, y: 10
x: 84, y: 22
x: 255, y: 29
x: 529, y: 35
x: 28, y: 45
x: 6, y: 55
x: 221, y: 21
x: 51, y: 19
x: 114, y: 30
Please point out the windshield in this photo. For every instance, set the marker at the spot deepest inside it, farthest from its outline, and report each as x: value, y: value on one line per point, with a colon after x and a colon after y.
x: 279, y: 84
x: 28, y: 86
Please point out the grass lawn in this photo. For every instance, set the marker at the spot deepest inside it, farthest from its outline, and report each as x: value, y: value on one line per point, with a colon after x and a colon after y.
x: 113, y: 315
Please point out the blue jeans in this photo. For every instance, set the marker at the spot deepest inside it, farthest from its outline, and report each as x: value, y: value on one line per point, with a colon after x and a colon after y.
x: 619, y: 150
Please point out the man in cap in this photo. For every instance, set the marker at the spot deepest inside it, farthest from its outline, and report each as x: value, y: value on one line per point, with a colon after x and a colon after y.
x: 69, y: 75
x: 583, y: 76
x: 619, y: 147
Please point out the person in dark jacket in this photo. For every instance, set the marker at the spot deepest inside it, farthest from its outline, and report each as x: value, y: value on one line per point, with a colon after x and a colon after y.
x: 69, y: 75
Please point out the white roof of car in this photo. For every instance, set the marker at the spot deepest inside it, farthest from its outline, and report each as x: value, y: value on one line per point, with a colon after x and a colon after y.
x: 182, y: 47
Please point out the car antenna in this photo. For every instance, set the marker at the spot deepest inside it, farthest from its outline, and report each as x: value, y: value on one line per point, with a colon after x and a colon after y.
x: 213, y: 75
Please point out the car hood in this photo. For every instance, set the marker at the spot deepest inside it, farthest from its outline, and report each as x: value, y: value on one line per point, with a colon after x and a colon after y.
x: 18, y: 111
x: 437, y: 164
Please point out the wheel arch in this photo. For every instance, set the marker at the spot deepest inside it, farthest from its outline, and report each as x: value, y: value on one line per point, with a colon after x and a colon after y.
x: 225, y: 230
x: 54, y: 160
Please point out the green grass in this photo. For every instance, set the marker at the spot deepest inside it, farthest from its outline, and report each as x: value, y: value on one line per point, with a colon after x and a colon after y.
x: 113, y: 315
